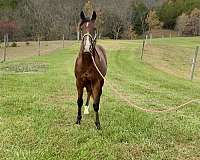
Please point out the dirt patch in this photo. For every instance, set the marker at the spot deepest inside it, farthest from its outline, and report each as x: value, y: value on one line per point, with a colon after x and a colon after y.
x: 25, y: 67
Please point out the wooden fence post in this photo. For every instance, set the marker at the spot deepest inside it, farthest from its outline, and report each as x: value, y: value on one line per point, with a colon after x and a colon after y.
x: 7, y: 40
x: 146, y: 37
x: 143, y: 45
x: 151, y: 36
x: 38, y: 45
x: 63, y: 40
x: 194, y: 60
x: 5, y: 46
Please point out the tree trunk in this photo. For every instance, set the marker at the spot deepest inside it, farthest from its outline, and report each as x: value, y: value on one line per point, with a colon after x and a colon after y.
x: 99, y: 35
x: 78, y: 33
x: 78, y: 36
x: 117, y: 33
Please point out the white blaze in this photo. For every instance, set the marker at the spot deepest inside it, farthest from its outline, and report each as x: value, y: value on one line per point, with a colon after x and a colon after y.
x: 87, y: 44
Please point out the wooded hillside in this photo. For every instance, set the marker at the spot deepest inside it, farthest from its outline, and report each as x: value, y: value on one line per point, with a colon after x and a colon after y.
x: 127, y: 19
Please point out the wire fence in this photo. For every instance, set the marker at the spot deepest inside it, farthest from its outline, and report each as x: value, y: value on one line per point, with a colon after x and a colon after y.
x: 175, y: 56
x: 15, y: 50
x: 150, y: 49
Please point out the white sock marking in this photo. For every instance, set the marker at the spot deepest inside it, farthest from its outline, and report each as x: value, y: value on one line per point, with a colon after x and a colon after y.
x: 86, y: 111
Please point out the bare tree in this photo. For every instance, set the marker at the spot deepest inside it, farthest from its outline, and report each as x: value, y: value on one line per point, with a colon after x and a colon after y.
x: 181, y: 23
x: 152, y: 20
x: 195, y: 20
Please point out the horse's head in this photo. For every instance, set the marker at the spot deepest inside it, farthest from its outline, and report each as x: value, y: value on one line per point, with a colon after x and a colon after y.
x: 88, y: 29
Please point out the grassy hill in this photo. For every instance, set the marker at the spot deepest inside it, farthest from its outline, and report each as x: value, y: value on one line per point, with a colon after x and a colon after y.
x: 173, y: 56
x: 38, y: 107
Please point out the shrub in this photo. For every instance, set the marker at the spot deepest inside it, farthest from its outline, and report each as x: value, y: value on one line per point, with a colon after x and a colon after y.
x: 27, y: 43
x: 14, y: 44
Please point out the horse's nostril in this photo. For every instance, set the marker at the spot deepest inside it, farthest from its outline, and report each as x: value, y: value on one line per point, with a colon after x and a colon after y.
x: 86, y: 50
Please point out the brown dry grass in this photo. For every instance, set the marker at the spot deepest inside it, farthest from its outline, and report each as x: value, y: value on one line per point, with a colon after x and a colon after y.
x: 163, y: 32
x: 23, y: 51
x: 172, y: 59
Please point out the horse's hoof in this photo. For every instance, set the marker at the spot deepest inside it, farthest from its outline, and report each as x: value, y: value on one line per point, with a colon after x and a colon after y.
x: 78, y: 122
x: 98, y: 126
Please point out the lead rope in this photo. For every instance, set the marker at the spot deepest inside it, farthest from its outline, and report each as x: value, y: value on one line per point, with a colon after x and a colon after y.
x: 138, y: 107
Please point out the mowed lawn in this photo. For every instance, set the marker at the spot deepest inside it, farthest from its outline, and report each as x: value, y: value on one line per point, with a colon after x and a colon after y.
x: 38, y: 108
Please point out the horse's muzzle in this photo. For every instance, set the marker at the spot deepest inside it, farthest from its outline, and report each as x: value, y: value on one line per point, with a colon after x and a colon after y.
x: 87, y: 51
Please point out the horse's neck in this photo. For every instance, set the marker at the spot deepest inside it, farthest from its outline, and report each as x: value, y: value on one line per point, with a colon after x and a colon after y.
x: 86, y: 59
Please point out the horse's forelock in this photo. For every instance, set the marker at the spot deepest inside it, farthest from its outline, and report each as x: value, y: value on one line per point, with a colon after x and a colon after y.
x: 87, y: 19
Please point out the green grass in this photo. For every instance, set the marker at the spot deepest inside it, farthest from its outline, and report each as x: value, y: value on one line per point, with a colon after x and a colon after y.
x: 38, y: 110
x: 174, y: 56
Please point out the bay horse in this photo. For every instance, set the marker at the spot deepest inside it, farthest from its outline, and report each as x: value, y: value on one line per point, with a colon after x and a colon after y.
x: 86, y: 74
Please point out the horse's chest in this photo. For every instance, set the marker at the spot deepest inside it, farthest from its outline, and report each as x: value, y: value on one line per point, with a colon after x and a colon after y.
x: 85, y: 76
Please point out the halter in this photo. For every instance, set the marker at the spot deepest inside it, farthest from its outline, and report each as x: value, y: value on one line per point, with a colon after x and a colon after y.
x: 93, y: 40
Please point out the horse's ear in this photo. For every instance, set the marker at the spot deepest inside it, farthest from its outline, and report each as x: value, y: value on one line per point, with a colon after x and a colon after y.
x: 94, y: 16
x: 82, y: 15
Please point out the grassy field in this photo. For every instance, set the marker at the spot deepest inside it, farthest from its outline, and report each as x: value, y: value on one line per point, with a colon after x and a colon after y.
x: 173, y: 56
x: 38, y: 107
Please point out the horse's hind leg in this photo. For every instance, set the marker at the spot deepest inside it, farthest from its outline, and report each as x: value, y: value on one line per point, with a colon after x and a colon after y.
x: 80, y: 103
x: 97, y: 91
x: 89, y: 93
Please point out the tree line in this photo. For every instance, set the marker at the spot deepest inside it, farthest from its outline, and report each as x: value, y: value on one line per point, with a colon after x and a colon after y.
x: 116, y: 19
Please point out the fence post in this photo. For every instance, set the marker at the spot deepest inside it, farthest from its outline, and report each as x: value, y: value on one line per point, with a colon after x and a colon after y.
x: 143, y: 45
x: 38, y: 45
x: 170, y: 35
x: 146, y: 37
x: 7, y: 40
x: 151, y: 36
x: 5, y: 46
x: 194, y: 60
x: 63, y: 40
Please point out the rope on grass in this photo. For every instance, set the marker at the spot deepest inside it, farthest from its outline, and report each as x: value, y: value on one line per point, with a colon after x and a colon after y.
x: 138, y: 107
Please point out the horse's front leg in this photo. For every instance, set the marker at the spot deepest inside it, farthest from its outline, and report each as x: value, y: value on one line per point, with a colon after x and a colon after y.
x: 97, y: 91
x: 89, y: 93
x: 79, y: 102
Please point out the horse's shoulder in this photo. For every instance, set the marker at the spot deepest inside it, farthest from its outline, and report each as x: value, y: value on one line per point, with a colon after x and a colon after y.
x: 99, y: 47
x: 101, y: 52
